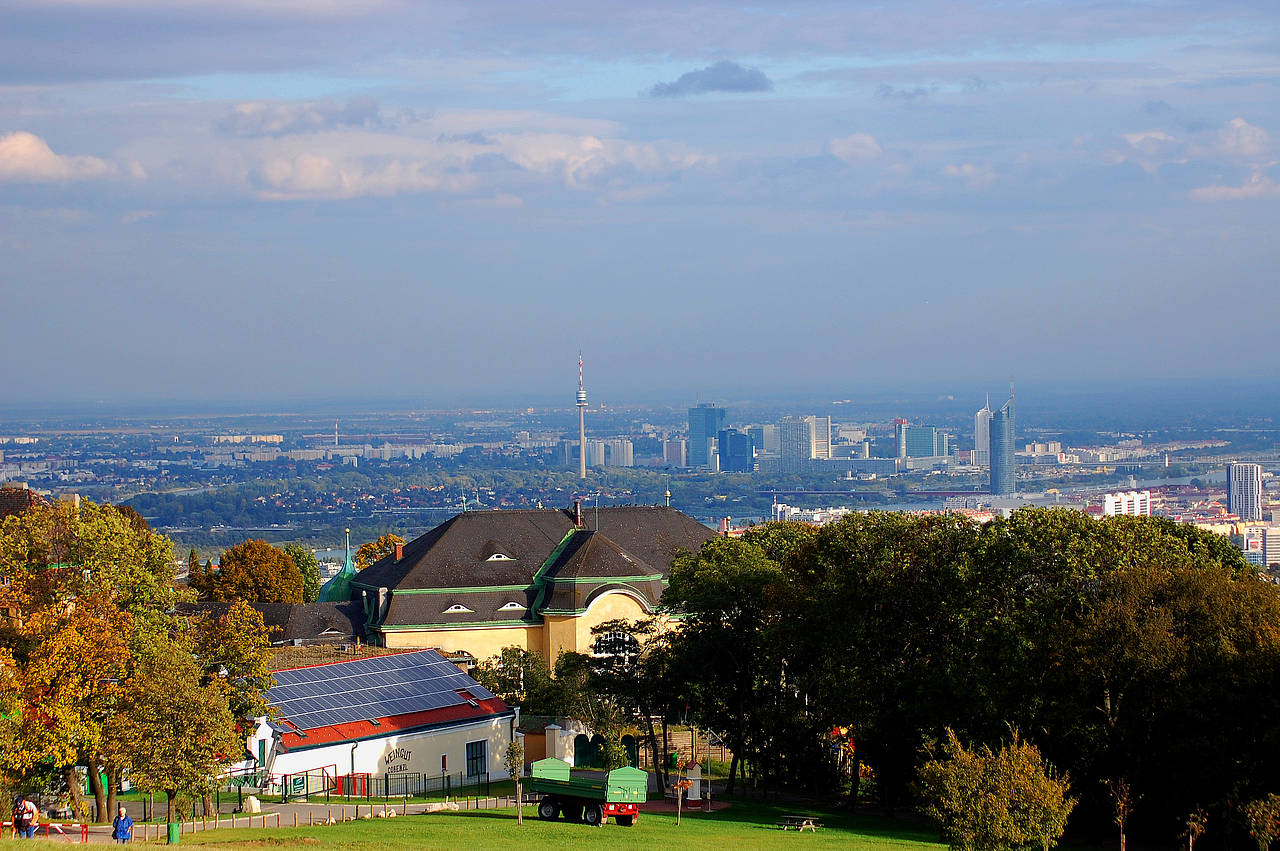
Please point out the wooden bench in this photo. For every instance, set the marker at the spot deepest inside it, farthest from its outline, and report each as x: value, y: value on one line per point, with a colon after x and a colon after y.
x: 800, y: 821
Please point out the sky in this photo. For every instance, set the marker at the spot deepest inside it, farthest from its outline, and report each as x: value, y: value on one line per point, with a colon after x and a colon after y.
x: 316, y: 199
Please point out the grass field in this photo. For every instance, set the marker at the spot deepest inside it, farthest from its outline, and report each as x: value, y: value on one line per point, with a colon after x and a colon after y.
x: 738, y: 828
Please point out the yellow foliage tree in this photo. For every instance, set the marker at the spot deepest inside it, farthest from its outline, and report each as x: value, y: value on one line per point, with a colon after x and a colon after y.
x: 375, y: 551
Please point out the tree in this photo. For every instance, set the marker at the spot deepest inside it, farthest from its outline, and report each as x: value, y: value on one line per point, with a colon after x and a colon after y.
x: 66, y: 680
x: 176, y: 732
x: 981, y: 800
x: 726, y: 593
x: 254, y: 572
x: 1264, y: 820
x: 375, y: 551
x: 232, y: 654
x: 309, y: 567
x: 513, y: 759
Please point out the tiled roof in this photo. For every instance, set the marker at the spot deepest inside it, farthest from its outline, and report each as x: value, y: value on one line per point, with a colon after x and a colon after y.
x: 311, y: 623
x: 465, y: 570
x: 17, y: 500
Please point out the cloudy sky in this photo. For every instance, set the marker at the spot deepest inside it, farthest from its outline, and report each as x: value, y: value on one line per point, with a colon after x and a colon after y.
x: 292, y: 199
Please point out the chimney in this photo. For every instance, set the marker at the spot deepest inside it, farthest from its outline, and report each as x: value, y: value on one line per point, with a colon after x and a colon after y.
x: 577, y: 513
x: 399, y: 551
x: 724, y: 526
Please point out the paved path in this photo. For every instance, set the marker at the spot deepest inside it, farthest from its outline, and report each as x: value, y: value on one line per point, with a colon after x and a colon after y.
x: 282, y: 814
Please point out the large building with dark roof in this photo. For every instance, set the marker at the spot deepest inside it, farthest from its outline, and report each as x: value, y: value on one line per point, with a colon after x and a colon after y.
x: 537, y: 579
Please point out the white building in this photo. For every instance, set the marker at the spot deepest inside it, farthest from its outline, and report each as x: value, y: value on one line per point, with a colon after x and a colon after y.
x: 386, y: 721
x: 1244, y: 491
x: 1136, y: 503
x: 982, y: 436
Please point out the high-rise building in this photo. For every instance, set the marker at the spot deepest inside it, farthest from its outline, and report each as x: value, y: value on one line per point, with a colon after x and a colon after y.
x: 673, y: 453
x: 919, y: 441
x: 1004, y: 477
x: 1244, y: 491
x: 982, y: 435
x: 1129, y: 502
x: 764, y: 438
x: 821, y: 436
x: 736, y: 455
x: 594, y: 454
x: 796, y: 442
x: 621, y: 452
x: 705, y: 422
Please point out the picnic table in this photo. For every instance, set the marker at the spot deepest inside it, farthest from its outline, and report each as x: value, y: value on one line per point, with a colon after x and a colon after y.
x: 800, y: 821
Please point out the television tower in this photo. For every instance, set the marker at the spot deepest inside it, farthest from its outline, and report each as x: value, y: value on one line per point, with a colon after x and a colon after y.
x: 582, y: 423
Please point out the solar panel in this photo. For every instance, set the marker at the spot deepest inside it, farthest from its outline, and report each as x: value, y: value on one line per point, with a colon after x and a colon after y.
x: 376, y: 687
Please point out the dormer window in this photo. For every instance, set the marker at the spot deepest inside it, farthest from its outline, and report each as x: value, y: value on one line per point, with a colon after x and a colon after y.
x: 455, y: 609
x: 499, y: 557
x: 513, y: 606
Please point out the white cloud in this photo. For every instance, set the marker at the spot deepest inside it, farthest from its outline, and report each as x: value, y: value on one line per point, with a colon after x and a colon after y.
x: 1257, y: 186
x: 26, y: 158
x: 1243, y: 140
x: 975, y: 176
x: 858, y: 147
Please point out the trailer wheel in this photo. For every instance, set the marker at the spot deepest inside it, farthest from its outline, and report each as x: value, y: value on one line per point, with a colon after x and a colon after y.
x: 547, y: 809
x: 625, y: 821
x: 593, y: 815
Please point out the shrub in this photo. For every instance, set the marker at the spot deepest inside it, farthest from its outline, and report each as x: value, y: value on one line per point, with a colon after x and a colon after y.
x: 984, y: 800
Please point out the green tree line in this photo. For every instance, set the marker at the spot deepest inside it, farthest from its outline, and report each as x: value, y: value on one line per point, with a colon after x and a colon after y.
x: 1136, y: 653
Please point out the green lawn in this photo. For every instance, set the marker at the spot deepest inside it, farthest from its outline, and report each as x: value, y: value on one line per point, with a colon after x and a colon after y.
x: 740, y: 827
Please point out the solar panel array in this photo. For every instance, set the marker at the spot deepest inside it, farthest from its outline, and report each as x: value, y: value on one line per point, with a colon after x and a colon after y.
x: 376, y: 687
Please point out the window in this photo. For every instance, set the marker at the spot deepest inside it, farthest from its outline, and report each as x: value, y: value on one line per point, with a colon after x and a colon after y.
x: 455, y: 609
x: 511, y: 607
x: 499, y: 557
x: 477, y: 760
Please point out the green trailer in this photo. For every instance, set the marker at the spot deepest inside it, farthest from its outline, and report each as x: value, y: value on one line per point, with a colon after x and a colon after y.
x: 588, y: 796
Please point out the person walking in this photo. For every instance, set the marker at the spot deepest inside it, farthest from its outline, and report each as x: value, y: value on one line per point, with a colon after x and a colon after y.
x: 122, y: 827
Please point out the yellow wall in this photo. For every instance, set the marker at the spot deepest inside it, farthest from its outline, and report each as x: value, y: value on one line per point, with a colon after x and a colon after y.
x: 481, y: 642
x: 573, y: 633
x: 559, y: 633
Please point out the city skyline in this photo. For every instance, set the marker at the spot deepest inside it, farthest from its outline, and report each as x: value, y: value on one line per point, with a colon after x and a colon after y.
x: 257, y: 200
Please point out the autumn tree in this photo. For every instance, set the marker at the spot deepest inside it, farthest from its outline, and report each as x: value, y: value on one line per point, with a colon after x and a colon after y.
x: 179, y: 732
x: 232, y: 654
x: 254, y: 572
x: 374, y: 551
x: 984, y: 800
x: 65, y: 680
x: 309, y: 566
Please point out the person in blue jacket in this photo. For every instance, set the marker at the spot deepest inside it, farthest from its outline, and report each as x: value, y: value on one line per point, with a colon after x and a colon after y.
x: 122, y: 827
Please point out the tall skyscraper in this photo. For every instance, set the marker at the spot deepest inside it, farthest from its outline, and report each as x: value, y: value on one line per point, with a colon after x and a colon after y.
x: 582, y: 424
x: 919, y: 441
x: 982, y: 435
x: 821, y: 436
x: 736, y: 455
x: 705, y: 422
x: 1244, y: 491
x: 796, y: 442
x: 1004, y: 479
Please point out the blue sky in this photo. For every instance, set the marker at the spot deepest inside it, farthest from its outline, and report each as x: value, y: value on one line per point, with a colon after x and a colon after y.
x: 305, y: 198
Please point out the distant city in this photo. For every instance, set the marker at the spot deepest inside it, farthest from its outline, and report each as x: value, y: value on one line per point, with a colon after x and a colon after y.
x: 213, y: 480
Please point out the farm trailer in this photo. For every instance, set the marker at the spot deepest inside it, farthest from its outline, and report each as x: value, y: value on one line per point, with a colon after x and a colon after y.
x: 591, y: 797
